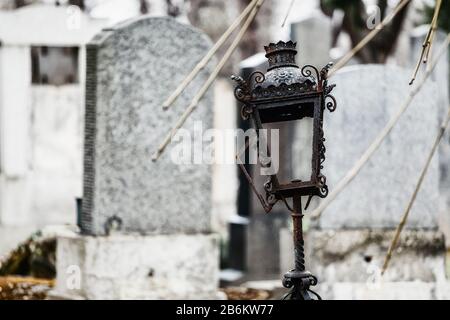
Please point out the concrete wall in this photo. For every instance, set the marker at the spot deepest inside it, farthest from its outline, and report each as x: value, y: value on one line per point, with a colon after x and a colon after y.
x: 56, y: 147
x: 41, y: 156
x: 40, y: 126
x: 15, y: 79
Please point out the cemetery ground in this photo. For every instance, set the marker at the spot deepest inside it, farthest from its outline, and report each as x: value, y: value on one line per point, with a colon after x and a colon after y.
x: 28, y: 273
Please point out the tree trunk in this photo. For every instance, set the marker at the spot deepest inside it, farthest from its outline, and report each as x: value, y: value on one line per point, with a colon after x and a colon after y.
x: 355, y: 25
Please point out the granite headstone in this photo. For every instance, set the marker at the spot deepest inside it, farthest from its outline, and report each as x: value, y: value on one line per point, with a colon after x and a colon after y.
x: 155, y: 215
x: 132, y: 68
x: 368, y: 96
x: 313, y: 36
x: 441, y: 75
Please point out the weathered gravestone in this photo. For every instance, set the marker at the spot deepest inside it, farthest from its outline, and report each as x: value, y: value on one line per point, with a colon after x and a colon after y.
x: 369, y: 97
x: 157, y: 214
x: 352, y: 236
x: 441, y: 76
x: 313, y: 35
x: 132, y: 70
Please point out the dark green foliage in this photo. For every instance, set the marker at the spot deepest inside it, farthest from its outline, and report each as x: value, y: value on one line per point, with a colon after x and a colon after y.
x: 35, y: 257
x: 341, y: 4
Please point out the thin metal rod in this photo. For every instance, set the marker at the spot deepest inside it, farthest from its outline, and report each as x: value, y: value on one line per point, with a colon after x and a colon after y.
x: 427, y: 43
x: 378, y: 140
x: 287, y: 13
x: 171, y: 99
x: 434, y: 26
x: 208, y: 82
x: 297, y: 218
x: 414, y: 195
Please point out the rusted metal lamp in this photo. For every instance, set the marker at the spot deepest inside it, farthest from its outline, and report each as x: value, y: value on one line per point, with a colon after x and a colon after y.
x: 287, y: 93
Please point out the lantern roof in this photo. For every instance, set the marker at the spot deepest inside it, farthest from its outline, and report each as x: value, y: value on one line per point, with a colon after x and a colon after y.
x: 284, y: 78
x: 283, y: 71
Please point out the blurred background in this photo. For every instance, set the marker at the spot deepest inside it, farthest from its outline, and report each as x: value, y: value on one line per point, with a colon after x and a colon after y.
x: 42, y: 87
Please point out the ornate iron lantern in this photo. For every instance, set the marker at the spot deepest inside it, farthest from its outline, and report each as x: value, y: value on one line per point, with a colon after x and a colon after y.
x: 287, y: 93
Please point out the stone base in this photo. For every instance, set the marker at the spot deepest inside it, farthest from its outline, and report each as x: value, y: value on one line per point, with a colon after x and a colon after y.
x: 263, y: 246
x: 407, y: 290
x: 137, y: 267
x: 358, y: 255
x: 403, y: 290
x: 348, y: 264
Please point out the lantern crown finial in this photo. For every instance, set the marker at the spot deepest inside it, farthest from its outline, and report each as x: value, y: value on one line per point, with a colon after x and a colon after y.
x: 284, y: 78
x: 280, y: 45
x: 281, y: 54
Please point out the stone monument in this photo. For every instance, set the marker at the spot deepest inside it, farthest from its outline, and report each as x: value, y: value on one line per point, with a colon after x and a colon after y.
x: 145, y: 226
x: 441, y: 75
x: 349, y: 242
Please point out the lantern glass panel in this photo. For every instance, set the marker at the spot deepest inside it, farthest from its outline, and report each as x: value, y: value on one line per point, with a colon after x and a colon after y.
x: 297, y: 117
x: 303, y: 149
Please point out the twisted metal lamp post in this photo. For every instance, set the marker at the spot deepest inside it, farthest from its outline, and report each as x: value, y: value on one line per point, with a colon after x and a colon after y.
x: 289, y: 93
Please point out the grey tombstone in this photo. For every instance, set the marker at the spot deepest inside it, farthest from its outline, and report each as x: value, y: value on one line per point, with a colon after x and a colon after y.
x: 313, y: 37
x: 146, y: 225
x: 441, y: 75
x: 351, y: 238
x: 368, y: 96
x: 132, y: 69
